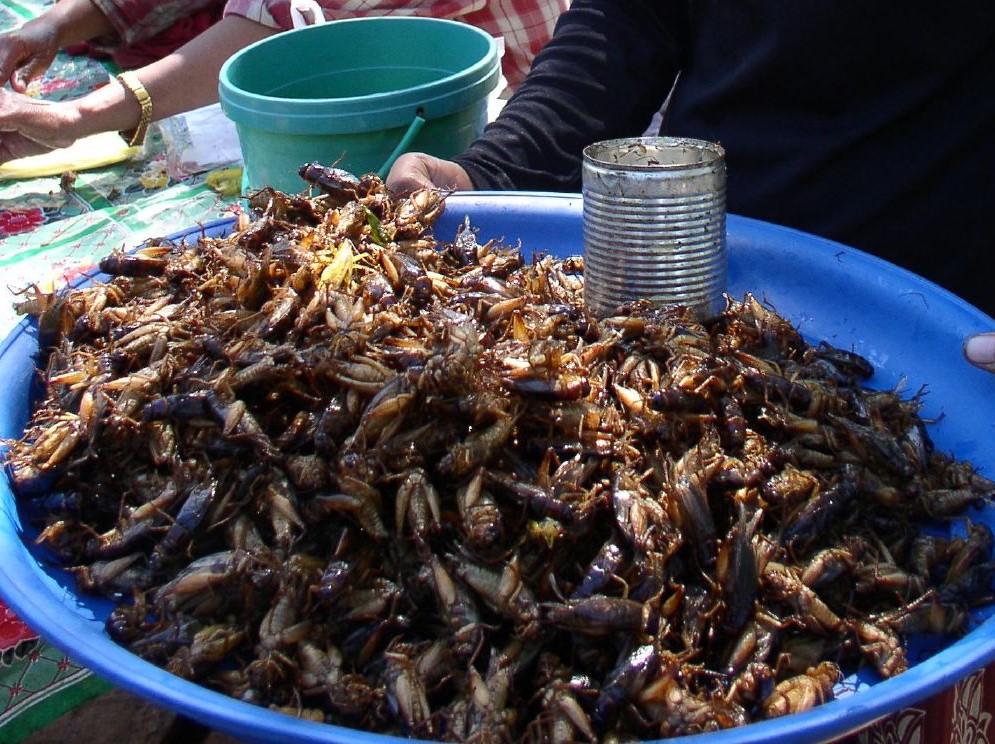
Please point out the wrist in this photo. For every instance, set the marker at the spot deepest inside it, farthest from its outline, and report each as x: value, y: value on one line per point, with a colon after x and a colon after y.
x: 113, y: 107
x: 72, y: 124
x: 73, y: 21
x: 135, y: 136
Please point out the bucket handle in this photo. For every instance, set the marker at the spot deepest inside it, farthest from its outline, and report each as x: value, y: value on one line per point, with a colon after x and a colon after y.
x: 306, y: 13
x: 413, y: 129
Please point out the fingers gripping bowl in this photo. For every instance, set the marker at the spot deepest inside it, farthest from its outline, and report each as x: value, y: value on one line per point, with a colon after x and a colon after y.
x: 850, y: 301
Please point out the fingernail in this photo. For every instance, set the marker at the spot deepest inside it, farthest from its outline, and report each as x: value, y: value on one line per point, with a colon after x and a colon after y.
x: 980, y: 349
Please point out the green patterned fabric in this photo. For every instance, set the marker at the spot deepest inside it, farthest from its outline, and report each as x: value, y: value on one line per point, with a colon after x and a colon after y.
x: 38, y: 683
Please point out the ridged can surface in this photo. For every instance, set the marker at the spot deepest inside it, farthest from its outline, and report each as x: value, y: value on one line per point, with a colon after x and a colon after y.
x: 654, y: 223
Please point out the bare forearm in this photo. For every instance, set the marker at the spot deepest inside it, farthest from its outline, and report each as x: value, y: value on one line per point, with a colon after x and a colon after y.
x: 74, y: 21
x: 181, y: 81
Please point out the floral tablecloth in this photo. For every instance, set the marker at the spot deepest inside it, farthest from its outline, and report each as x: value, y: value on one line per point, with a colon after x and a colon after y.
x: 51, y: 227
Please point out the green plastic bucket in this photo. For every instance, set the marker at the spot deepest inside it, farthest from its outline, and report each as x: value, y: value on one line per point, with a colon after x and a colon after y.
x: 356, y: 93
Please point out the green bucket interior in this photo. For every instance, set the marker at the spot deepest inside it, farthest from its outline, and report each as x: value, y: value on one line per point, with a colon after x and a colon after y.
x: 355, y: 93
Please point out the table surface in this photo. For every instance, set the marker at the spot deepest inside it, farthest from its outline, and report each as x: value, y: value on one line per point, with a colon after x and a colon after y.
x: 51, y: 230
x: 48, y: 232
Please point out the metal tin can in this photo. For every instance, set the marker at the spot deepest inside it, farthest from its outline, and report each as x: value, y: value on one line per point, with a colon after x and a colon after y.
x: 654, y: 223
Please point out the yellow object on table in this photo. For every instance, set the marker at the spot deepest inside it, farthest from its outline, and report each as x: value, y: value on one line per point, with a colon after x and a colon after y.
x: 95, y: 151
x: 225, y: 181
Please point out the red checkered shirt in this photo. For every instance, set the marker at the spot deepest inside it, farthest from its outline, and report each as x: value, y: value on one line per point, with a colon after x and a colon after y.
x: 525, y: 25
x: 139, y: 20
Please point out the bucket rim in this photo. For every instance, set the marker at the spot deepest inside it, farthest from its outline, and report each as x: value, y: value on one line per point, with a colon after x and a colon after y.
x: 445, y: 95
x: 319, y: 122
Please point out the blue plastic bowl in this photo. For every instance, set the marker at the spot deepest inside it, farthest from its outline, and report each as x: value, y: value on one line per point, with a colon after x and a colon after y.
x: 909, y: 328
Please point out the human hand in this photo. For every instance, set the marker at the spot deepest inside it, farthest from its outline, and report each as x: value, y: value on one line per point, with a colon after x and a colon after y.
x: 26, y: 52
x: 979, y: 350
x: 29, y: 126
x: 416, y: 170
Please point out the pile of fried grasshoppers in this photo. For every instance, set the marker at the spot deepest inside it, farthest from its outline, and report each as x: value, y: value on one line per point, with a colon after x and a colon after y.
x: 335, y: 466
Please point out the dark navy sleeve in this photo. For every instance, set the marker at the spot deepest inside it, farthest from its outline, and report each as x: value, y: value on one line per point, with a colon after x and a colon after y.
x: 604, y: 74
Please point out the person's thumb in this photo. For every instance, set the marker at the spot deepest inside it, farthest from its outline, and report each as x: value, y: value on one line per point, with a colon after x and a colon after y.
x: 33, y: 68
x: 979, y: 350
